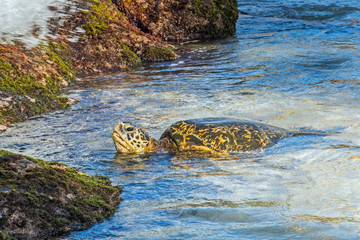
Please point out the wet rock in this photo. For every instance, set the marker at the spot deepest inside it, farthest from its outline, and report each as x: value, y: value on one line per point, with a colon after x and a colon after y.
x: 111, y: 42
x: 31, y: 79
x: 40, y: 200
x: 184, y: 20
x: 115, y: 35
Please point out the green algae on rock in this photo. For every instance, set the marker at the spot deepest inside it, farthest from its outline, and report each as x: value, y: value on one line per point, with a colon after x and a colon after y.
x: 111, y: 42
x: 117, y: 35
x: 158, y: 54
x: 98, y: 18
x: 31, y: 80
x: 182, y: 20
x: 221, y: 15
x: 41, y: 199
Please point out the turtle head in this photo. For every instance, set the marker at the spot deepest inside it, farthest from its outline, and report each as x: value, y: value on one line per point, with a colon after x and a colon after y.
x: 130, y: 139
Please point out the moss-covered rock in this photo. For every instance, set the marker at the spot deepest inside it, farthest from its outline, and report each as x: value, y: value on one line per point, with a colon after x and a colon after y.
x: 118, y: 34
x: 39, y: 199
x: 111, y: 42
x: 158, y: 54
x: 221, y: 16
x: 182, y: 20
x: 31, y: 80
x: 99, y: 17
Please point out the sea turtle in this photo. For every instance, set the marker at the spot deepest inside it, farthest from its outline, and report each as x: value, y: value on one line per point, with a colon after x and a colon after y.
x: 216, y: 135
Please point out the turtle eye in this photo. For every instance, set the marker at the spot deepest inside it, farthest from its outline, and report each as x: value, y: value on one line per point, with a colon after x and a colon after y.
x: 130, y: 129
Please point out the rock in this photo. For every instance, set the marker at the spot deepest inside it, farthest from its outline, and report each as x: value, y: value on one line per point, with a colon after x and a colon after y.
x: 112, y: 42
x: 182, y: 20
x: 40, y: 199
x: 30, y: 83
x: 116, y: 35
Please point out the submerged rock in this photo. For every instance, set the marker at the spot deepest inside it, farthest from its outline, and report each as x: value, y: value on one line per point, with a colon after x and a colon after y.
x: 45, y: 199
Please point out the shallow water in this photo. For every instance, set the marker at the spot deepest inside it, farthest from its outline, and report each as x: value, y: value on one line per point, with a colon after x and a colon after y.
x: 292, y: 64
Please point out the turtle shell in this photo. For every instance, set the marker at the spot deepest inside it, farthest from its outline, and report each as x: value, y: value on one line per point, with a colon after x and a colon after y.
x: 222, y: 135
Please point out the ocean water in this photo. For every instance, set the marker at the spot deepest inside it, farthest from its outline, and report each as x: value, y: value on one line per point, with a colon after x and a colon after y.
x: 292, y: 64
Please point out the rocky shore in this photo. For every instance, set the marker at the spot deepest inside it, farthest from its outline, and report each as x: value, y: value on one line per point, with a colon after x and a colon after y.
x: 110, y: 36
x: 40, y: 199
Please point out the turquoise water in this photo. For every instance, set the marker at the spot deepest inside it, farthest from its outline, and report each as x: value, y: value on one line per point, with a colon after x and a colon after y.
x: 292, y: 64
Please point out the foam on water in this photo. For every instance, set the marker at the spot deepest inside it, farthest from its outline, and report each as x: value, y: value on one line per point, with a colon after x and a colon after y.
x: 29, y: 21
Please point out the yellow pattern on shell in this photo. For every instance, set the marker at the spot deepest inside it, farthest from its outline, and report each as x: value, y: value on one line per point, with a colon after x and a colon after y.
x: 222, y: 135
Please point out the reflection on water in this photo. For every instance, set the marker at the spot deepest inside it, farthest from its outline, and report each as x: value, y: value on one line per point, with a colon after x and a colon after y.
x: 286, y: 67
